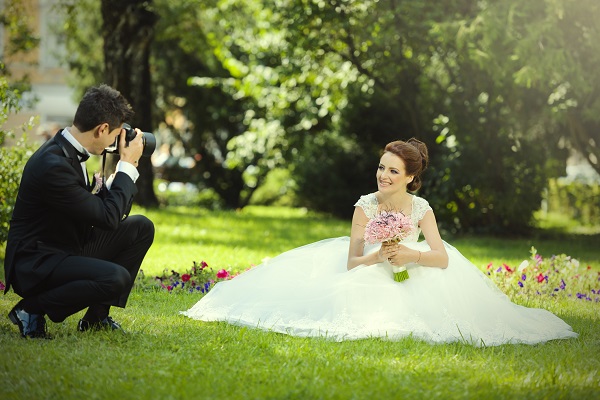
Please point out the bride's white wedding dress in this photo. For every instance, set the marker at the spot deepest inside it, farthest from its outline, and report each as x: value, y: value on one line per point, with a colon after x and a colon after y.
x: 308, y: 291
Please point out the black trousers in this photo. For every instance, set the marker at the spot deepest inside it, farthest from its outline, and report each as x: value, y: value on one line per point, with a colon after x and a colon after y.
x: 101, y: 276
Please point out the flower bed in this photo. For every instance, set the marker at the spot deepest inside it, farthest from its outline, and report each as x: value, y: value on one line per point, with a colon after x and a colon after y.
x: 558, y: 275
x: 200, y: 278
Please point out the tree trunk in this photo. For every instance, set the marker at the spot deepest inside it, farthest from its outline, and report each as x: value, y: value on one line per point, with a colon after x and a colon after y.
x: 128, y: 29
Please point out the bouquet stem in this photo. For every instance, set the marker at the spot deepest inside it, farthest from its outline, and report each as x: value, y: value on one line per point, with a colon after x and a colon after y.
x: 400, y: 274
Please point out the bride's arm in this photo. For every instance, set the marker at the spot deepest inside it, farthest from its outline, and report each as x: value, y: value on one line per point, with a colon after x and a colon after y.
x: 437, y: 256
x: 356, y: 254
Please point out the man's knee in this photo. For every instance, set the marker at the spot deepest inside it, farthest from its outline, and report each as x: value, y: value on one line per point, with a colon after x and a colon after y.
x: 119, y: 280
x: 145, y: 227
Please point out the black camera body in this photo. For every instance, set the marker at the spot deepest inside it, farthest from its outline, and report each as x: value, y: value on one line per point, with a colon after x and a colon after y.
x: 148, y: 139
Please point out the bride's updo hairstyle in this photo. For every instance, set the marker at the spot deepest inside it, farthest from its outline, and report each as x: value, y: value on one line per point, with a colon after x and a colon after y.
x: 415, y: 156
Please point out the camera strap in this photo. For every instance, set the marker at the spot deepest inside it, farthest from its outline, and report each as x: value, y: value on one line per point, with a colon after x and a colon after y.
x: 102, y: 169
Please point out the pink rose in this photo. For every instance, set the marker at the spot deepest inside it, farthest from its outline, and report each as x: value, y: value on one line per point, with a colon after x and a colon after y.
x: 222, y: 273
x: 185, y: 277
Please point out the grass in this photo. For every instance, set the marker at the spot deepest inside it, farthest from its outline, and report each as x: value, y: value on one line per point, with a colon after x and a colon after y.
x: 167, y: 356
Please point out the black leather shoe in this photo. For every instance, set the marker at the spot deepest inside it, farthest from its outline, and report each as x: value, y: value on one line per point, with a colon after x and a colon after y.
x: 106, y: 324
x: 31, y: 325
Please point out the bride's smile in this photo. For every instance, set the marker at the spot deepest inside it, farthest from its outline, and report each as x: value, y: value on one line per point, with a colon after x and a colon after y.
x: 391, y: 173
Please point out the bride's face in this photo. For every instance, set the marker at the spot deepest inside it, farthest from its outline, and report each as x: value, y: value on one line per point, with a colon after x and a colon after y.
x: 391, y: 174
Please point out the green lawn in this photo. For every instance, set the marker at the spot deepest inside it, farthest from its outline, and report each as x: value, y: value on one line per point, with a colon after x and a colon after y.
x: 167, y: 356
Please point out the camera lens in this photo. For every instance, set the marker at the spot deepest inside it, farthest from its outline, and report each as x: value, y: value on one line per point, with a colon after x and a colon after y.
x: 148, y: 139
x: 149, y: 144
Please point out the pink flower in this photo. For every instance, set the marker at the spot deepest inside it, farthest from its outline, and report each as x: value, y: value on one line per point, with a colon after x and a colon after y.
x: 203, y: 265
x: 2, y: 287
x: 507, y: 268
x: 387, y: 226
x: 490, y: 265
x: 222, y: 273
x: 185, y: 277
x: 540, y: 278
x: 97, y: 183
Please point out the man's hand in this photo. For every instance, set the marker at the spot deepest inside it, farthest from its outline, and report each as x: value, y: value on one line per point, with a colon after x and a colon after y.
x: 131, y: 152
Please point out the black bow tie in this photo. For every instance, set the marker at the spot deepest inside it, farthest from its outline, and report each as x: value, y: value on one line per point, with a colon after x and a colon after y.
x: 83, y: 157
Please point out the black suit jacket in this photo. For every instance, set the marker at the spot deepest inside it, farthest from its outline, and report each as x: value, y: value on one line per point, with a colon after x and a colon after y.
x: 55, y: 212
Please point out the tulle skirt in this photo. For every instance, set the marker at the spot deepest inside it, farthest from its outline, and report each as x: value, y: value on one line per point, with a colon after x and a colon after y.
x: 308, y: 291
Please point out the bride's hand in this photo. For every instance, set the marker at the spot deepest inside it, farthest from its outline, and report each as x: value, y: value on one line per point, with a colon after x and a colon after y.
x: 388, y: 251
x: 404, y: 255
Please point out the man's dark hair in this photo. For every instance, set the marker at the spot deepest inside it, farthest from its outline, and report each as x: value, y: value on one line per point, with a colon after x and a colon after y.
x: 102, y: 104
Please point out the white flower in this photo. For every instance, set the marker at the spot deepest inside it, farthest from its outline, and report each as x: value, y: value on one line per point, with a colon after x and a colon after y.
x: 575, y: 262
x: 523, y: 265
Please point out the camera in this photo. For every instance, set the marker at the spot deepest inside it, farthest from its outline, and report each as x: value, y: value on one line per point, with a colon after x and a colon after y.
x: 148, y: 139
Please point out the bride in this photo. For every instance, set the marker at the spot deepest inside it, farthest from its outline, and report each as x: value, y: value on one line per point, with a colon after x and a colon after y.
x: 343, y: 288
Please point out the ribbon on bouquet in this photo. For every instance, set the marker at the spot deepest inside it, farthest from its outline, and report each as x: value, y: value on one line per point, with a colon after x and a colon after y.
x: 400, y: 273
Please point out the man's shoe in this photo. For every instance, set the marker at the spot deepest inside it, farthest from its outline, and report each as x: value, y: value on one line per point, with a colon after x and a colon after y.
x: 106, y: 324
x: 30, y: 325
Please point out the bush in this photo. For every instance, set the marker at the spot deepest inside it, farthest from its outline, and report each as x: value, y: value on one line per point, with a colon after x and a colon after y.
x: 13, y: 159
x: 577, y: 200
x: 332, y: 172
x: 278, y: 189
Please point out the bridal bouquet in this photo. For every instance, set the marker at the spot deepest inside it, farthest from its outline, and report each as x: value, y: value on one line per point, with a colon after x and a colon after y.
x: 389, y: 226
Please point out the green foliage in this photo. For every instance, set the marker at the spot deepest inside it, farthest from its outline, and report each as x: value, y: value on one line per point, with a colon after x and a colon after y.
x: 12, y: 159
x: 16, y: 25
x: 332, y: 172
x: 577, y: 200
x: 81, y: 29
x: 550, y: 46
x: 489, y: 86
x: 278, y: 189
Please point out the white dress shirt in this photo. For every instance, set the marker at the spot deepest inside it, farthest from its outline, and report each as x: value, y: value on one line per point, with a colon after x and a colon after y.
x: 122, y: 166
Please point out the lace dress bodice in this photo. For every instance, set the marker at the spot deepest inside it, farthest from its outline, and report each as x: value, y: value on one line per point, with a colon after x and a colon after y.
x: 420, y: 206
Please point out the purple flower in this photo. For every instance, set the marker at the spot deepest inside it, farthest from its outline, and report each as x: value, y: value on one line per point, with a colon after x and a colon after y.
x: 521, y: 284
x: 499, y: 269
x: 523, y: 277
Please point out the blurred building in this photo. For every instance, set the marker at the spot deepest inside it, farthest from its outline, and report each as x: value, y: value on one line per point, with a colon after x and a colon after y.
x: 54, y: 103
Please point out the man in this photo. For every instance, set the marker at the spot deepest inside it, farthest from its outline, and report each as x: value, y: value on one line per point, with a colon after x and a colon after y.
x: 69, y: 249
